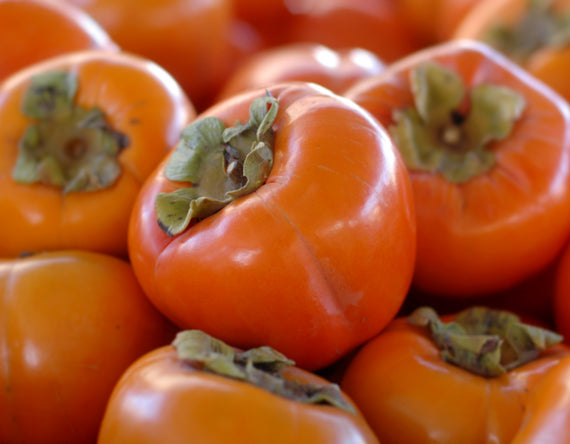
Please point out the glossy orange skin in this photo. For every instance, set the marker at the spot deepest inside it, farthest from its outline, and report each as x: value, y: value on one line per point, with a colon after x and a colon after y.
x: 379, y: 26
x: 407, y: 393
x: 562, y: 295
x: 244, y: 41
x: 309, y: 62
x: 177, y: 403
x: 35, y: 30
x: 138, y: 99
x: 549, y: 64
x: 547, y: 419
x: 315, y: 261
x: 71, y: 323
x: 500, y: 228
x: 188, y: 38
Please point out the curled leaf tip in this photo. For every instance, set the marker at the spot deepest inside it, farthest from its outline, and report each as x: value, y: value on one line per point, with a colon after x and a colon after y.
x: 258, y: 366
x: 422, y: 316
x: 448, y: 129
x: 221, y: 164
x: 484, y: 341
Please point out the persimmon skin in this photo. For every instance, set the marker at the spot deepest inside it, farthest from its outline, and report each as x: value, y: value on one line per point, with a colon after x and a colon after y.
x: 500, y: 228
x: 72, y: 322
x: 308, y: 62
x: 35, y: 30
x: 189, y: 39
x: 408, y: 393
x: 181, y: 404
x: 140, y: 100
x: 315, y: 260
x: 435, y: 21
x: 379, y: 26
x: 548, y: 409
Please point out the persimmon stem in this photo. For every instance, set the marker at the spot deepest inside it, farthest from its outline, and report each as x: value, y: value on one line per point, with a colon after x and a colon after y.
x: 483, y: 341
x: 448, y: 128
x: 257, y: 366
x: 220, y: 164
x: 539, y: 27
x: 68, y: 146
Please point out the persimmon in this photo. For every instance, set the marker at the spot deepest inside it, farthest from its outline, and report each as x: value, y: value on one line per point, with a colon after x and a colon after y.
x: 465, y: 378
x: 435, y: 21
x: 35, y: 30
x: 378, y: 26
x: 79, y: 134
x: 487, y: 147
x: 188, y: 38
x: 547, y: 415
x: 200, y: 389
x: 72, y: 322
x: 533, y: 33
x: 309, y: 62
x: 283, y: 217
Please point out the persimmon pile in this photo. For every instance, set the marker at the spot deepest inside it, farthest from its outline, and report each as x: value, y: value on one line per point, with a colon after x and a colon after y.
x: 285, y: 221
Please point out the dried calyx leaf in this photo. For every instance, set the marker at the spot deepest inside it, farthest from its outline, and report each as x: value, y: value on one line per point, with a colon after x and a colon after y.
x: 484, y: 341
x: 539, y: 27
x: 220, y: 164
x: 449, y: 128
x: 258, y: 366
x: 69, y: 146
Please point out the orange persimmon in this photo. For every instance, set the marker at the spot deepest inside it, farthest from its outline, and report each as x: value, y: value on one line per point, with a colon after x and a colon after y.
x: 188, y: 38
x: 487, y: 147
x: 35, y: 30
x: 309, y: 62
x: 293, y: 229
x: 435, y: 21
x: 378, y: 26
x: 533, y: 33
x: 547, y: 414
x: 71, y: 323
x: 202, y: 390
x: 79, y: 134
x: 467, y: 378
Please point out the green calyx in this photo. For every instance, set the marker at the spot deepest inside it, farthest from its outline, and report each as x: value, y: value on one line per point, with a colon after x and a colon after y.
x: 539, y: 27
x: 68, y: 147
x: 483, y: 341
x: 257, y: 366
x: 221, y: 164
x: 448, y: 129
